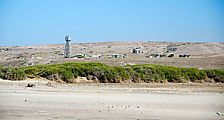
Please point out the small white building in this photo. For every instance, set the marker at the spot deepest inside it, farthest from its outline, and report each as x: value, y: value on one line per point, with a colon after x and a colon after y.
x: 137, y: 50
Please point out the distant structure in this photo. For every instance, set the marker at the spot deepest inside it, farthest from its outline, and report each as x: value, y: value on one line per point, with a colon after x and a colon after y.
x: 118, y: 56
x: 185, y: 55
x: 137, y: 50
x: 67, y: 49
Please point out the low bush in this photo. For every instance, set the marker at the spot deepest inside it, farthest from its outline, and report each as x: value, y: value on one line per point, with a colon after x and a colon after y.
x: 67, y: 72
x: 12, y: 73
x: 216, y: 74
x: 171, y: 55
x: 31, y: 70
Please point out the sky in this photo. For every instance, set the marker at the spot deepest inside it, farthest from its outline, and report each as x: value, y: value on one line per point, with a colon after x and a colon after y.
x: 34, y: 22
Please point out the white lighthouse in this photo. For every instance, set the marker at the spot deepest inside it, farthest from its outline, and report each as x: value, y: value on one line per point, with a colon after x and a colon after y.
x: 67, y: 49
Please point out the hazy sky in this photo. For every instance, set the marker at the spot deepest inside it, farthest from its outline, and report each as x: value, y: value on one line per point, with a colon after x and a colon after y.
x: 32, y: 22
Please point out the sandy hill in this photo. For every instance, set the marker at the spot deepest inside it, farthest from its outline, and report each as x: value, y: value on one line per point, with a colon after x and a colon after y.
x: 202, y: 55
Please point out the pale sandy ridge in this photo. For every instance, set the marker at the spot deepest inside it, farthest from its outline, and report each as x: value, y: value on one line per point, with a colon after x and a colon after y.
x: 203, y: 55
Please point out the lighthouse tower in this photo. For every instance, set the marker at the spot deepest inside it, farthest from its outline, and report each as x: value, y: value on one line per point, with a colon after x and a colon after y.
x: 67, y: 49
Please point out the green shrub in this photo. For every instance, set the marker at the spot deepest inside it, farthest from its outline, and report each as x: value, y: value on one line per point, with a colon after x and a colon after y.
x: 216, y: 74
x: 2, y: 73
x: 123, y: 73
x: 193, y: 74
x: 63, y: 73
x: 56, y: 52
x: 12, y: 74
x: 67, y: 76
x: 80, y: 57
x: 31, y: 70
x: 172, y: 74
x: 107, y: 74
x: 18, y: 74
x: 171, y: 55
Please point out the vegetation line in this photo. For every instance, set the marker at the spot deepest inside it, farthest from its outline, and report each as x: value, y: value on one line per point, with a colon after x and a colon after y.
x: 98, y: 72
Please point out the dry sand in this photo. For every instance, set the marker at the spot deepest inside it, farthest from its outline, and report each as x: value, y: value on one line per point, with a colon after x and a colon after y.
x: 167, y: 101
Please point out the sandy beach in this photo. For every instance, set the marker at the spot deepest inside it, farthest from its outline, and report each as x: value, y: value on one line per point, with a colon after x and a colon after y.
x: 167, y: 101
